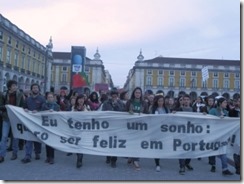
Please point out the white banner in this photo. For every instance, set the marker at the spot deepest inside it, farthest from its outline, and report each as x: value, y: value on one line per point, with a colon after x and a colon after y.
x: 179, y: 135
x: 205, y: 74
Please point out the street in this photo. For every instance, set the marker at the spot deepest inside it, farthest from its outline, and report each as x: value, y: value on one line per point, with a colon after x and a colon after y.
x: 95, y: 169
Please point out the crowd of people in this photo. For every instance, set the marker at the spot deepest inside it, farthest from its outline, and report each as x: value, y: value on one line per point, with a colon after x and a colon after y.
x: 138, y: 102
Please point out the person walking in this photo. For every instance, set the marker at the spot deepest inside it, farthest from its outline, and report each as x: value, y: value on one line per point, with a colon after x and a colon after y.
x: 221, y: 112
x: 136, y: 104
x: 158, y: 107
x: 12, y: 97
x: 186, y: 107
x: 33, y: 103
x: 113, y: 104
x: 80, y: 106
x: 50, y: 105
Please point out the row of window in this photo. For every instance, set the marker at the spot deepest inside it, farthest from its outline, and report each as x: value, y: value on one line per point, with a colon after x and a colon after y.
x: 193, y: 82
x: 193, y: 73
x: 29, y: 51
x: 26, y: 62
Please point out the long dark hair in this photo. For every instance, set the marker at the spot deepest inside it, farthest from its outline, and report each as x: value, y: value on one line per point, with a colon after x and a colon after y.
x: 155, y: 104
x: 133, y: 94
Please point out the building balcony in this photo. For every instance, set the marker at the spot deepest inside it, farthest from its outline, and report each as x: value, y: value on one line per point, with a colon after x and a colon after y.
x: 28, y: 72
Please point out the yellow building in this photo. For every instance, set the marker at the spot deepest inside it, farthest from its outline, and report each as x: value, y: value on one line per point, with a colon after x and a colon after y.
x: 94, y: 69
x: 22, y: 58
x: 176, y: 75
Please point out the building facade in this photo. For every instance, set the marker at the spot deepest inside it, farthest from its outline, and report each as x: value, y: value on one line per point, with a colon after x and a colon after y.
x: 22, y: 58
x: 25, y: 60
x: 94, y: 69
x: 177, y: 75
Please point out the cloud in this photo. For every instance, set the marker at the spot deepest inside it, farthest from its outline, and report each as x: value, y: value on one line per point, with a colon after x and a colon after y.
x: 89, y: 22
x: 120, y: 28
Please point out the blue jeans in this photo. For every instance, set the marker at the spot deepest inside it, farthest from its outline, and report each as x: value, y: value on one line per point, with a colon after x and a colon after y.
x: 4, y: 140
x: 29, y: 148
x: 224, y: 161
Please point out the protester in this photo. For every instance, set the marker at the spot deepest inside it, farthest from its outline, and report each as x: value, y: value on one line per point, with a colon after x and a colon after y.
x: 113, y: 104
x: 80, y: 106
x: 93, y: 101
x: 33, y: 103
x: 158, y: 107
x: 221, y: 112
x: 136, y: 104
x: 186, y: 107
x: 124, y: 96
x: 51, y: 106
x: 12, y: 97
x: 235, y: 112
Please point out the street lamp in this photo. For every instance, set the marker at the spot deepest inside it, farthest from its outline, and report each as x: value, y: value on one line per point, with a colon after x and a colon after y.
x: 49, y: 47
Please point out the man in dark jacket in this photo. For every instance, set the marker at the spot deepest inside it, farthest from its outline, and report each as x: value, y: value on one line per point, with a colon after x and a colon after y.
x: 12, y: 97
x: 33, y: 103
x: 113, y: 104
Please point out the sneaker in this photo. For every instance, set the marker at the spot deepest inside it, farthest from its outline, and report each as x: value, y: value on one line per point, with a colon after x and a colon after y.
x: 137, y: 166
x: 158, y: 168
x: 113, y: 164
x: 182, y: 171
x: 189, y: 167
x: 199, y: 158
x: 69, y: 154
x: 14, y: 157
x: 227, y: 172
x: 37, y: 156
x: 1, y: 159
x: 213, y: 169
x: 25, y: 160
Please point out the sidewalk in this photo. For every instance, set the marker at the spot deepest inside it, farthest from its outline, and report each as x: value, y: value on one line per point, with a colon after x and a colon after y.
x: 95, y: 169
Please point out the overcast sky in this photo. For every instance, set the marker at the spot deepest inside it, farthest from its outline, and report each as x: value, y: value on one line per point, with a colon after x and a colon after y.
x: 207, y: 29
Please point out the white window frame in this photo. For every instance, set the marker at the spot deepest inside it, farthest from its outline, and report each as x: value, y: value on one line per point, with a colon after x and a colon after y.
x: 215, y: 83
x: 149, y: 80
x: 160, y: 72
x: 182, y: 82
x: 160, y: 81
x: 149, y: 71
x: 64, y: 77
x: 173, y: 73
x: 171, y: 81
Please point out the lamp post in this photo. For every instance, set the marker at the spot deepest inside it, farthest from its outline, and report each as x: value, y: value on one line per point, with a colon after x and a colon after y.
x: 49, y: 47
